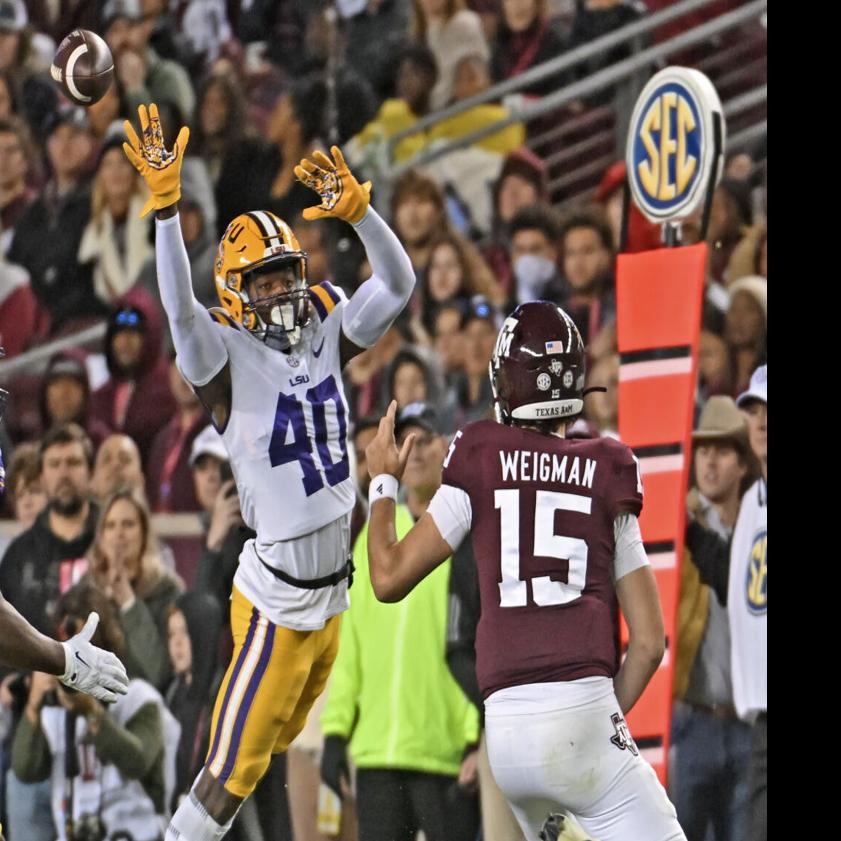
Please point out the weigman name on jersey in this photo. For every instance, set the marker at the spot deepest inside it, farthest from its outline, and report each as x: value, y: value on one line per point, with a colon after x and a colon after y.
x: 530, y: 466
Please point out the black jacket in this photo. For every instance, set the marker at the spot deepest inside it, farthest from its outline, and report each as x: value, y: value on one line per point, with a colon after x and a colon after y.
x: 46, y: 243
x: 31, y: 570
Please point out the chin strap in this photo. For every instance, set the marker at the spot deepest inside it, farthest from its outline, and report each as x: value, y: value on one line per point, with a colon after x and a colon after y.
x: 593, y: 388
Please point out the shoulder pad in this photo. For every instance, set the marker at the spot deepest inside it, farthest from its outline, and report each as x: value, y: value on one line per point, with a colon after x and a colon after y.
x: 324, y: 297
x: 221, y: 315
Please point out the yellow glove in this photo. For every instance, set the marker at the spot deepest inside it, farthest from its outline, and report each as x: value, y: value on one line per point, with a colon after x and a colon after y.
x: 341, y: 194
x: 161, y: 170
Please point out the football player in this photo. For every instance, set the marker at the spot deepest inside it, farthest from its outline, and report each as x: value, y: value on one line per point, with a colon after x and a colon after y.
x: 557, y: 543
x: 267, y: 365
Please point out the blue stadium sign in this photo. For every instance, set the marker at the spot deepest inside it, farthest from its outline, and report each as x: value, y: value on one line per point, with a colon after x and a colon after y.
x: 671, y: 149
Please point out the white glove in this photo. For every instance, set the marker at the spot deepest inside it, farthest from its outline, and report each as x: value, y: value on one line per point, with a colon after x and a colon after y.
x: 91, y: 669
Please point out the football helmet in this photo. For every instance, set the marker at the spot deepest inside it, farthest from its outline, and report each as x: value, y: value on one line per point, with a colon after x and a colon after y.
x: 257, y: 243
x: 537, y: 369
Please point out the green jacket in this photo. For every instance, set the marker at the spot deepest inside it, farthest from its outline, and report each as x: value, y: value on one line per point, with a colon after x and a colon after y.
x: 391, y: 692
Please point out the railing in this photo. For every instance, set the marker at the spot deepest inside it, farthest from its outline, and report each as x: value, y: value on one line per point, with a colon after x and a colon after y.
x: 37, y: 358
x: 605, y: 78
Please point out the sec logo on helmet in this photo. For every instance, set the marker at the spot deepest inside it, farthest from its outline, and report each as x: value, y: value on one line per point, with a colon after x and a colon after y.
x: 671, y: 145
x: 756, y: 583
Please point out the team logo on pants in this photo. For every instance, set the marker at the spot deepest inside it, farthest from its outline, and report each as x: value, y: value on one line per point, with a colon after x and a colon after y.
x: 622, y: 739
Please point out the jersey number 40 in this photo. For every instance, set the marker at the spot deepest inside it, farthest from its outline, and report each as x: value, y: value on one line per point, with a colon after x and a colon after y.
x: 290, y: 412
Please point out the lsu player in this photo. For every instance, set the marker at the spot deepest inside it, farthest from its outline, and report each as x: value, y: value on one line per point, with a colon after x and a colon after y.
x: 267, y: 365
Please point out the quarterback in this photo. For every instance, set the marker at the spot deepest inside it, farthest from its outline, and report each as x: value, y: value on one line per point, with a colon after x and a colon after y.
x: 267, y: 365
x: 557, y: 544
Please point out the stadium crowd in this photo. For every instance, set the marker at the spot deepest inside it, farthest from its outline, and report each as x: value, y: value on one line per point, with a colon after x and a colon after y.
x: 103, y: 439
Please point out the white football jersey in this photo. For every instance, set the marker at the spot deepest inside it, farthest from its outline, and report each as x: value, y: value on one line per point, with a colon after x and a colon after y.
x: 287, y: 431
x: 287, y: 440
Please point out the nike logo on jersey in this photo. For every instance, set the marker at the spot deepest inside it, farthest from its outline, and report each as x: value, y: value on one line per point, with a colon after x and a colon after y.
x: 320, y: 348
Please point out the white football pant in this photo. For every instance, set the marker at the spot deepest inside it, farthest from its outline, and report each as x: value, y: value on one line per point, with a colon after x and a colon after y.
x: 550, y: 749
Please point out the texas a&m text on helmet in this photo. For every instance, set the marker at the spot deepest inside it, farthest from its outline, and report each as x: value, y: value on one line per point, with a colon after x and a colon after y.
x: 256, y: 243
x: 537, y: 369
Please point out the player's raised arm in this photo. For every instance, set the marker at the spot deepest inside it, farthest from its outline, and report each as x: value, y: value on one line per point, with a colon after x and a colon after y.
x: 381, y: 298
x: 396, y: 566
x: 77, y: 663
x: 201, y: 352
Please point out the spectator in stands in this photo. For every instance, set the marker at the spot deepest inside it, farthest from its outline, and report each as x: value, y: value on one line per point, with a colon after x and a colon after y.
x: 117, y: 467
x: 714, y: 374
x: 603, y: 407
x: 116, y: 240
x: 65, y: 395
x: 226, y: 533
x: 118, y: 784
x: 24, y: 488
x: 144, y: 75
x: 169, y: 478
x: 413, y: 377
x: 136, y: 399
x: 588, y: 260
x: 731, y: 216
x: 746, y: 329
x: 107, y: 115
x: 470, y: 397
x: 297, y: 125
x: 416, y: 76
x: 200, y: 29
x: 451, y: 31
x: 711, y: 745
x: 22, y: 49
x: 197, y: 214
x: 419, y: 216
x: 747, y: 604
x: 409, y: 767
x: 48, y: 233
x: 236, y: 160
x: 375, y: 34
x: 594, y: 18
x: 46, y: 559
x: 535, y: 238
x: 125, y: 562
x: 525, y: 38
x: 447, y: 278
x: 522, y: 181
x: 9, y: 96
x: 193, y: 626
x: 750, y: 256
x: 366, y: 372
x: 215, y: 488
x: 15, y: 194
x: 448, y: 339
x: 23, y: 321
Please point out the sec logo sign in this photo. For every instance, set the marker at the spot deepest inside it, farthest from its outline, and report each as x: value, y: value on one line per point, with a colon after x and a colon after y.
x: 671, y: 145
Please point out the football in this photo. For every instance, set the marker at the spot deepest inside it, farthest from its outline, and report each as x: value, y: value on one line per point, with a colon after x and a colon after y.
x: 83, y: 67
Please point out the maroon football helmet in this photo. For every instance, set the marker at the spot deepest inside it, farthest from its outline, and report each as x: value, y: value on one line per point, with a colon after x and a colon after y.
x: 537, y: 368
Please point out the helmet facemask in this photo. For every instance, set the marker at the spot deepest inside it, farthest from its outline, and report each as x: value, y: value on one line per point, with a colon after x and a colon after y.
x: 277, y: 319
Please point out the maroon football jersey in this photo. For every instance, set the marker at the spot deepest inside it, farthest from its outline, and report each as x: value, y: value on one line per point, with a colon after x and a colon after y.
x: 542, y: 526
